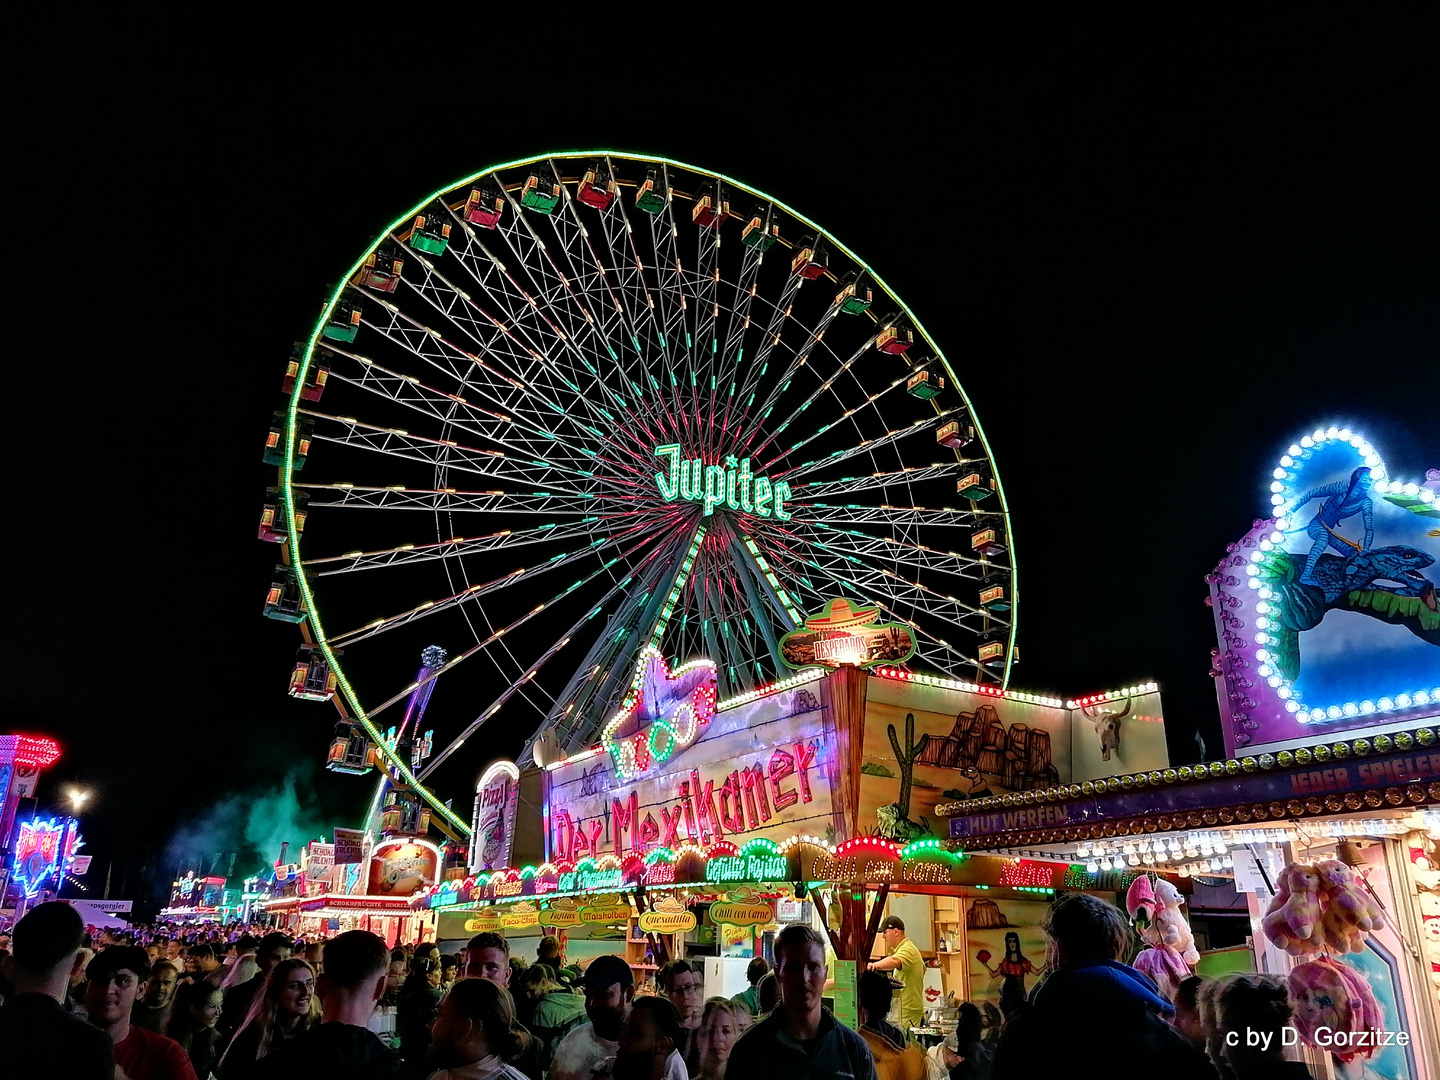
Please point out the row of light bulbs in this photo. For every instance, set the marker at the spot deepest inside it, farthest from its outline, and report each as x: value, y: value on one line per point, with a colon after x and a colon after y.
x: 1188, y: 845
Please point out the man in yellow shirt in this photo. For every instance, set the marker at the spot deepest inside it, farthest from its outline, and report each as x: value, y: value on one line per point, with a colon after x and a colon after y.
x: 905, y: 960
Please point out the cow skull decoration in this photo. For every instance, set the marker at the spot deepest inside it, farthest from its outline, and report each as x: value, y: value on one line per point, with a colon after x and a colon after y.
x: 1106, y: 719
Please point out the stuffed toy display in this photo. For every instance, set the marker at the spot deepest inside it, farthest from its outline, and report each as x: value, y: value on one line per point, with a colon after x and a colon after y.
x: 1164, y: 965
x: 1293, y: 918
x: 1154, y: 907
x: 1326, y: 994
x: 1140, y: 903
x: 1342, y: 891
x: 1321, y: 907
x: 1174, y: 930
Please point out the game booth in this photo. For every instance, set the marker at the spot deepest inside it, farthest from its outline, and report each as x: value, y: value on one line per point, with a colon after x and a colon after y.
x: 1310, y: 850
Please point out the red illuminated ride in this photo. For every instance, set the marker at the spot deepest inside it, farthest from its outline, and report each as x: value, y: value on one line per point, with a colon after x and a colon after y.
x: 578, y: 406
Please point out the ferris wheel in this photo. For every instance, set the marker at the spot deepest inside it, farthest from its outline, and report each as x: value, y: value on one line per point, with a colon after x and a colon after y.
x: 574, y: 406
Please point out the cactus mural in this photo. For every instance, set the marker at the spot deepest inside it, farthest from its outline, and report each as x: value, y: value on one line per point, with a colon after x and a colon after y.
x: 897, y: 824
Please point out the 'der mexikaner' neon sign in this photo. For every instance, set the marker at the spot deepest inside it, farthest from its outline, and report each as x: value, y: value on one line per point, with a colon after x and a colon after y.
x: 717, y: 485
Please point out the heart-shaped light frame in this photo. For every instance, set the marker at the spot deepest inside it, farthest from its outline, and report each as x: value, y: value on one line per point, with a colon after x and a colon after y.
x: 1269, y: 535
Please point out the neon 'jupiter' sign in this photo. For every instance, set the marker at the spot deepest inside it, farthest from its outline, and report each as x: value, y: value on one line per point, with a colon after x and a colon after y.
x: 730, y: 485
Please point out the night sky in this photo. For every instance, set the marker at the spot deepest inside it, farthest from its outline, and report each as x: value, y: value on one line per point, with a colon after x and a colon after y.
x: 1154, y: 254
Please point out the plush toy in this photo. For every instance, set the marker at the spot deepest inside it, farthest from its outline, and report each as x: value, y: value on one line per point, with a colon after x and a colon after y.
x: 1337, y: 882
x: 1140, y: 903
x: 1174, y: 930
x: 1370, y: 1017
x: 1294, y: 914
x: 1163, y: 964
x: 1339, y: 930
x: 1320, y: 997
x: 1327, y: 994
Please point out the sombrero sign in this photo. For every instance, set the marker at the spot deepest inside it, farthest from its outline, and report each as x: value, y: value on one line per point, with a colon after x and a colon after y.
x: 847, y: 632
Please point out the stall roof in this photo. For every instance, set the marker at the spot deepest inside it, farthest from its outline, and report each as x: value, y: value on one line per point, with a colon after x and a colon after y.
x: 1387, y: 771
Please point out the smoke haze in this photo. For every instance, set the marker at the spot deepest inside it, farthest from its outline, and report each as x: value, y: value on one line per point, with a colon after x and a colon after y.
x: 251, y: 825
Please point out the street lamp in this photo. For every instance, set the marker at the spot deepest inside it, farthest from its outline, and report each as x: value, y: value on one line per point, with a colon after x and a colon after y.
x: 78, y: 798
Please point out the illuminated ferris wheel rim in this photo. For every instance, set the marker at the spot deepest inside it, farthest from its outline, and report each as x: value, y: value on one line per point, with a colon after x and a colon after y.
x: 291, y: 552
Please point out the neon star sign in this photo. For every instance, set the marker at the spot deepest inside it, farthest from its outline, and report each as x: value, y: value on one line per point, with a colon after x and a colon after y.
x: 731, y: 485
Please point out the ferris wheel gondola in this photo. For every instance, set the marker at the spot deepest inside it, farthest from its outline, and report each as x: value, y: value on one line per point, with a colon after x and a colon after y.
x: 574, y: 406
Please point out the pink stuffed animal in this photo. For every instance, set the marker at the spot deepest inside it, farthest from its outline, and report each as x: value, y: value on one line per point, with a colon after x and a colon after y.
x: 1327, y: 994
x: 1294, y: 914
x: 1337, y: 881
x: 1140, y: 903
x: 1339, y: 930
x: 1163, y: 964
x: 1174, y: 930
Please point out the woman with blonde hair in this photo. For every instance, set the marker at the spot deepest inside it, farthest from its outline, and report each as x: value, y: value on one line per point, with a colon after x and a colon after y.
x: 723, y: 1021
x: 286, y: 1006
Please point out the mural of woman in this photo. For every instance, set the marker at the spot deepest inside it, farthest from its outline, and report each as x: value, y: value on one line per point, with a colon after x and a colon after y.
x: 1013, y: 970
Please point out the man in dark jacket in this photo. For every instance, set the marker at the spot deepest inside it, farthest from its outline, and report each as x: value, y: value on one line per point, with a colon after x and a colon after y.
x: 38, y: 1038
x: 341, y: 1048
x: 801, y: 1038
x: 1088, y: 996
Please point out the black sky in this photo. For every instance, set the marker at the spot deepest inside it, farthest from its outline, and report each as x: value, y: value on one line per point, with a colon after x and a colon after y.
x: 1154, y: 252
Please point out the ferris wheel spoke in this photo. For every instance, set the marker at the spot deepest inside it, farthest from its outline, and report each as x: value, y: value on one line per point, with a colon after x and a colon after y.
x: 630, y: 273
x: 499, y: 702
x: 770, y: 340
x: 521, y: 386
x: 450, y: 500
x: 558, y: 292
x: 866, y: 576
x: 894, y: 516
x: 903, y: 552
x: 591, y: 288
x: 438, y: 405
x: 492, y: 338
x: 456, y: 546
x: 762, y: 411
x: 529, y: 319
x: 399, y: 443
x: 638, y: 621
x: 409, y: 391
x: 706, y: 287
x: 732, y: 353
x: 662, y: 314
x: 494, y: 637
x: 850, y: 485
x: 475, y: 592
x: 431, y: 347
x: 925, y: 423
x: 677, y: 316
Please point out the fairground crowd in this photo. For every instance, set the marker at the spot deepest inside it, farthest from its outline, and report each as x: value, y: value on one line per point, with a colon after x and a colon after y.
x: 237, y: 1002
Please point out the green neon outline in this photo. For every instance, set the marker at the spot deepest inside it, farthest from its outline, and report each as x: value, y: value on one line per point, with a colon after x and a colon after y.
x: 292, y: 545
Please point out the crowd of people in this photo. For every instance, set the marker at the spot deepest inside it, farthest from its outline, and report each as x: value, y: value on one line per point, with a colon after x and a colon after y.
x: 247, y: 1006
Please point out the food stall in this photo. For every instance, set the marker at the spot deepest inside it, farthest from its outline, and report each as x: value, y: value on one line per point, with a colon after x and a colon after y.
x: 701, y: 827
x: 320, y: 897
